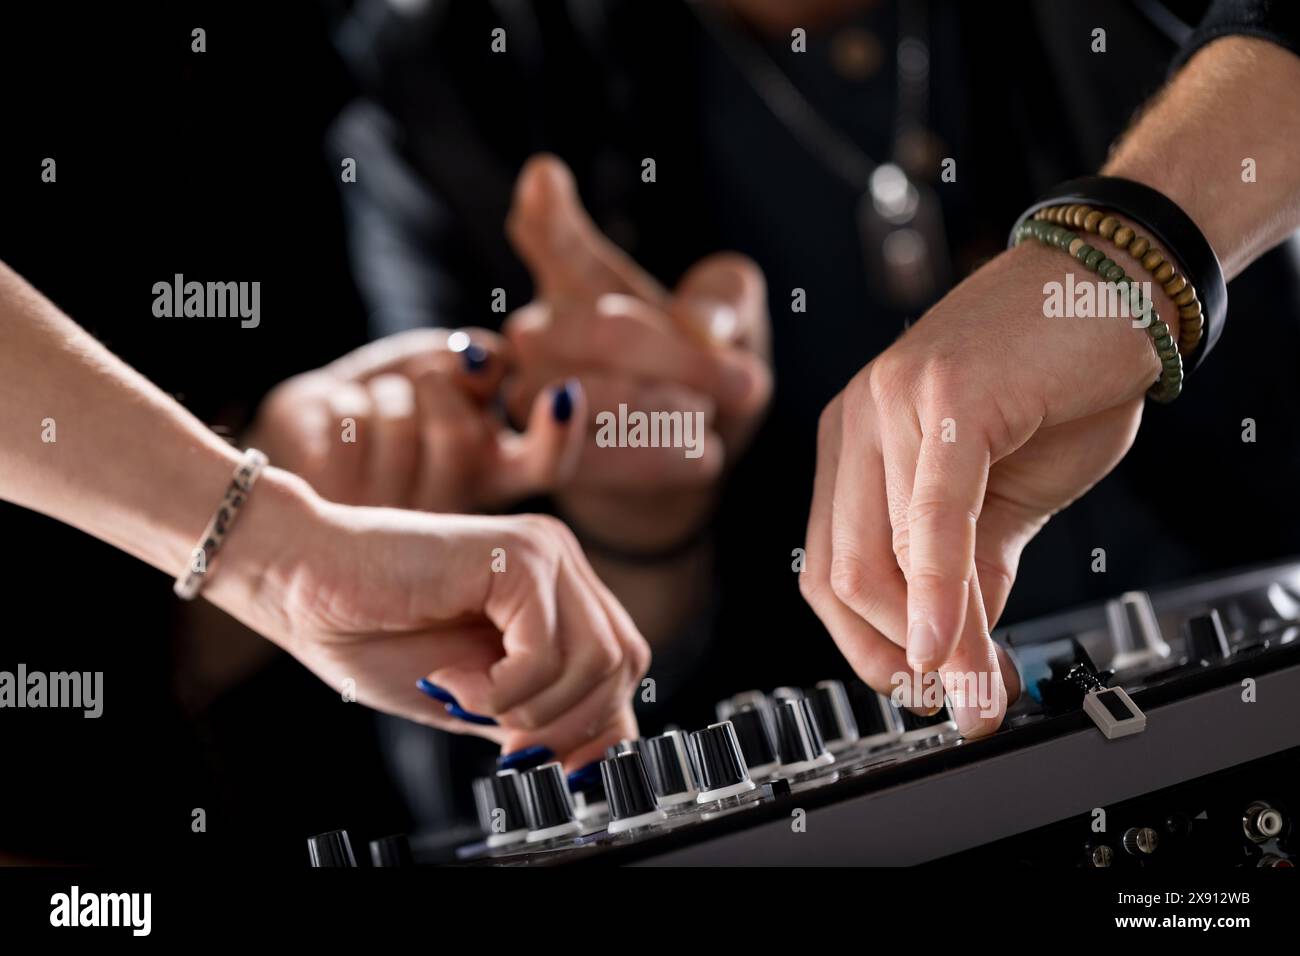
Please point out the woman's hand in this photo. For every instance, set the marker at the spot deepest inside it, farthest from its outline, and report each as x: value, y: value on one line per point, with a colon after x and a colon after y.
x: 701, y: 349
x: 407, y: 422
x: 946, y: 455
x: 502, y: 612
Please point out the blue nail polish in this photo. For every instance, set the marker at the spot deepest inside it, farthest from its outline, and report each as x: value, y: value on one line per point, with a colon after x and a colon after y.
x: 526, y: 759
x: 585, y: 776
x: 433, y: 690
x: 475, y: 358
x: 562, y: 404
x: 461, y: 714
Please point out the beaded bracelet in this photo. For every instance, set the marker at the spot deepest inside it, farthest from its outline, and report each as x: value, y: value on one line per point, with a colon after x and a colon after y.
x: 1170, y: 384
x: 1157, y: 263
x: 1168, y: 225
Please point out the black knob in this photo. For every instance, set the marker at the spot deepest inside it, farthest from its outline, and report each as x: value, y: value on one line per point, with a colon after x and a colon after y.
x: 622, y: 747
x: 1206, y: 640
x: 878, y: 721
x: 718, y: 764
x: 628, y: 792
x: 391, y: 851
x: 756, y: 736
x: 499, y: 800
x: 546, y: 799
x: 917, y: 727
x: 331, y: 849
x: 668, y: 766
x: 798, y: 742
x: 746, y: 698
x: 830, y: 708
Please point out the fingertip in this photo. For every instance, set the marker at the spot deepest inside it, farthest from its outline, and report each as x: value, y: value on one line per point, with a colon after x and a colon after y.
x: 544, y: 182
x: 936, y: 612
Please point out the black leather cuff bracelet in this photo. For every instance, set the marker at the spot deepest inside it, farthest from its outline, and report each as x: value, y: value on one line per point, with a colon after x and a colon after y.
x: 1168, y: 225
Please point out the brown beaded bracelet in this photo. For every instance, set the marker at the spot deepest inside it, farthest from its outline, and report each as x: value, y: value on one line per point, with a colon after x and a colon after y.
x: 1191, y: 323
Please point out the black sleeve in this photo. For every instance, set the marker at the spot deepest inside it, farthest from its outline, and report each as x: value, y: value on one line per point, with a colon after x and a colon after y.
x: 1277, y: 21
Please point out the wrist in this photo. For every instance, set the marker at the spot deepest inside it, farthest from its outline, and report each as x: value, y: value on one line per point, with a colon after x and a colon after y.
x: 253, y: 571
x: 1118, y: 357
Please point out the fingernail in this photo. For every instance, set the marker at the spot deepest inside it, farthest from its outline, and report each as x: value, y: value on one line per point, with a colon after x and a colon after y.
x: 461, y: 714
x: 971, y: 721
x: 562, y: 401
x: 717, y: 322
x: 526, y: 759
x: 433, y: 690
x: 922, y: 646
x: 722, y: 324
x: 475, y: 358
x: 585, y: 776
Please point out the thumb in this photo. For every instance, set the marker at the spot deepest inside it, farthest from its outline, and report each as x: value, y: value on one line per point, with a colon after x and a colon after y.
x: 546, y: 454
x: 568, y: 256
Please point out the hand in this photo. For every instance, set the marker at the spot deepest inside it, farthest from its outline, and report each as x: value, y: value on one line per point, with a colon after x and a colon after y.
x: 703, y: 348
x: 407, y: 422
x: 525, y: 634
x: 946, y: 455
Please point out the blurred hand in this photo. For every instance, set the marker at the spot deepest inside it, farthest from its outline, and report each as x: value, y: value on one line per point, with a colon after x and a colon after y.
x: 946, y: 455
x: 599, y: 318
x: 417, y: 409
x: 502, y: 612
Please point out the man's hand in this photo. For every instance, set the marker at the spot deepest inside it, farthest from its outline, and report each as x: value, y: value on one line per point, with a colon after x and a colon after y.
x: 600, y: 318
x: 407, y: 422
x: 945, y: 456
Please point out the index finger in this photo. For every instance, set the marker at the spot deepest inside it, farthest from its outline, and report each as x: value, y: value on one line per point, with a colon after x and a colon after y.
x: 942, y: 515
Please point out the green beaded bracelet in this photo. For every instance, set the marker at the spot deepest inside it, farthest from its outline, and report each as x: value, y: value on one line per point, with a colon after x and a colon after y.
x: 1170, y: 383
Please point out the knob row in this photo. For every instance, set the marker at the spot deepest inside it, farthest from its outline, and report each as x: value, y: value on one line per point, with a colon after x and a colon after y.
x: 788, y: 733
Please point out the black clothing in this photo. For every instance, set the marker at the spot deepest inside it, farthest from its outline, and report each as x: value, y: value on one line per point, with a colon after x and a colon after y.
x: 1020, y: 100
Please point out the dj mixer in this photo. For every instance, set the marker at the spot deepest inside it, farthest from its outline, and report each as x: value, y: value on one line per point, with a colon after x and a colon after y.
x: 1157, y: 728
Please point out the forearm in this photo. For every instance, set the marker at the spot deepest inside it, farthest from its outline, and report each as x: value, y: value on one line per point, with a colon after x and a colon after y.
x: 91, y: 442
x: 1237, y: 99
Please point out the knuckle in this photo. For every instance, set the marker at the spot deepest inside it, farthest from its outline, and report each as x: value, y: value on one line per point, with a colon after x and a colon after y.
x: 810, y: 586
x: 606, y: 656
x: 639, y: 658
x: 848, y: 578
x: 929, y: 514
x: 522, y: 717
x: 892, y: 379
x: 998, y: 574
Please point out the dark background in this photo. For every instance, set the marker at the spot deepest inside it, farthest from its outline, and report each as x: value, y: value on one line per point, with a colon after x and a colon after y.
x: 215, y: 166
